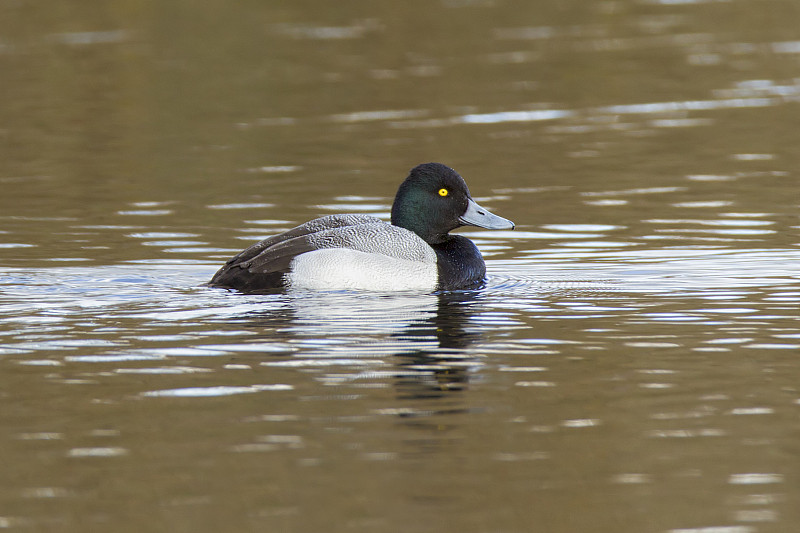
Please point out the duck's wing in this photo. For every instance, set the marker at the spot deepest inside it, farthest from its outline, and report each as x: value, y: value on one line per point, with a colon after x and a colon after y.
x: 265, y: 269
x: 248, y: 270
x: 310, y: 227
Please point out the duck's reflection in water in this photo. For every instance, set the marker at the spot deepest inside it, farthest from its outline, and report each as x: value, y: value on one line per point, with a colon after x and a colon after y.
x: 357, y: 348
x: 418, y: 341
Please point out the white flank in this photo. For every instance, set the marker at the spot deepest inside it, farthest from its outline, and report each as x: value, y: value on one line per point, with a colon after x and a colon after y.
x: 341, y: 268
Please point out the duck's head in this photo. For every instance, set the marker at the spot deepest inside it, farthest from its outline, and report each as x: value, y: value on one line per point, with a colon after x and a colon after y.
x: 434, y: 199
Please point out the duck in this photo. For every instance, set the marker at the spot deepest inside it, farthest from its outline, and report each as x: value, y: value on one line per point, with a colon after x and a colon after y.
x: 415, y: 252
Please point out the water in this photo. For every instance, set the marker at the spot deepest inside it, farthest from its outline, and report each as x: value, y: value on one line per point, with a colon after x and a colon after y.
x: 630, y: 366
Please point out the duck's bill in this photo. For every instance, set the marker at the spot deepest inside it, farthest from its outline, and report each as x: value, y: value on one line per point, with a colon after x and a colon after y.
x: 476, y: 215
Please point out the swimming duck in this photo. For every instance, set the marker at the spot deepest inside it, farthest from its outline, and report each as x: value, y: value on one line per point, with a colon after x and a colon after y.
x: 350, y: 251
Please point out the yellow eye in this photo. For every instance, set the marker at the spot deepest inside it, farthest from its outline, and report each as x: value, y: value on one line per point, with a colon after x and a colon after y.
x: 443, y: 192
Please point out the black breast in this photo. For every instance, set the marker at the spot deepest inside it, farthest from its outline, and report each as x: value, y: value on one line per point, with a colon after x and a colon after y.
x: 460, y: 264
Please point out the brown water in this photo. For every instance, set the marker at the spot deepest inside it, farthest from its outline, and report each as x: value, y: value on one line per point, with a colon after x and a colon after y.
x: 631, y: 366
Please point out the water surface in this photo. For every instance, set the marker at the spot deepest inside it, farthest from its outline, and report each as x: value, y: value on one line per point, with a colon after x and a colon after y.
x: 630, y: 366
